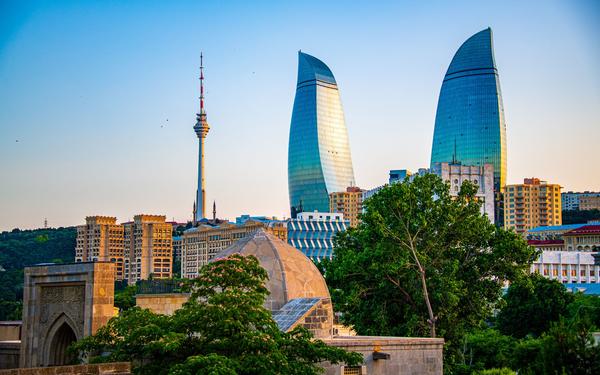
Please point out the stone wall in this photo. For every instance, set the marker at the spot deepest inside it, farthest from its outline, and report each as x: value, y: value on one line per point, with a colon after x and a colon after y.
x: 165, y: 303
x: 9, y: 354
x: 63, y: 303
x: 10, y: 330
x: 407, y: 355
x: 116, y: 368
x: 318, y: 320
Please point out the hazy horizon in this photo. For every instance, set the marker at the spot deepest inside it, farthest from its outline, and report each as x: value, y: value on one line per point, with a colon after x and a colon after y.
x: 99, y: 98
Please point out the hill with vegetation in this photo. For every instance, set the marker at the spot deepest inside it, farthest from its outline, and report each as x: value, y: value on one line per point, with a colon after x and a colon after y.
x: 21, y: 248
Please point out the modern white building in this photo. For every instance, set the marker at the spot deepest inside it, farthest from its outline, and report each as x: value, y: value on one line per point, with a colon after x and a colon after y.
x: 568, y: 266
x: 570, y: 253
x: 313, y: 232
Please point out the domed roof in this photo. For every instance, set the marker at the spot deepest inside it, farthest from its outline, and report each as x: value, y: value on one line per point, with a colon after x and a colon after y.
x: 291, y: 274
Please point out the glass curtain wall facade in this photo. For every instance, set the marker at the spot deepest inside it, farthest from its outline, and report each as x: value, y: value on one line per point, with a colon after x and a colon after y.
x: 469, y: 123
x: 319, y: 160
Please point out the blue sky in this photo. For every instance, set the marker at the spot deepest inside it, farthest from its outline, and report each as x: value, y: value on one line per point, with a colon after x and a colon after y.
x: 98, y: 98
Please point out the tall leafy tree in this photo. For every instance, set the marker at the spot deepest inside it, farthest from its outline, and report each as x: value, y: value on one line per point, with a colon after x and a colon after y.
x: 423, y: 263
x: 222, y: 329
x: 532, y: 304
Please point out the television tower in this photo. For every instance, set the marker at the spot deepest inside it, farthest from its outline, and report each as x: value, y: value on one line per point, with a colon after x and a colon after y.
x: 201, y: 128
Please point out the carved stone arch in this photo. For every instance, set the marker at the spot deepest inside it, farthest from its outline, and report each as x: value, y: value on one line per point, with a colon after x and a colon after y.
x: 62, y: 333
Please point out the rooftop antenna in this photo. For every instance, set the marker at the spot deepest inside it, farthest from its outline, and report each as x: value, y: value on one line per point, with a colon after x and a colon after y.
x: 454, y: 154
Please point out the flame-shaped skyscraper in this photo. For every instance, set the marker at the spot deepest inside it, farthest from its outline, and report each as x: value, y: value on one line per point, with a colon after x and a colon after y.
x: 319, y: 161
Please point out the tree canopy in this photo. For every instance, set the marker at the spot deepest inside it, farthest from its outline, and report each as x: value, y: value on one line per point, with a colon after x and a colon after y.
x: 222, y: 329
x: 423, y: 263
x: 21, y: 248
x: 532, y: 305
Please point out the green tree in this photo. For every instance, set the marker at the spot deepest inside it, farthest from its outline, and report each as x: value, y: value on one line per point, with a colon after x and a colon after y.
x: 222, y: 329
x: 568, y: 347
x: 579, y: 216
x: 125, y: 297
x: 21, y: 248
x: 423, y: 263
x: 487, y: 349
x: 532, y: 304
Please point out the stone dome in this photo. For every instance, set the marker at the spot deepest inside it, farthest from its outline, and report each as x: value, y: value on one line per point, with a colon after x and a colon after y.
x: 291, y: 274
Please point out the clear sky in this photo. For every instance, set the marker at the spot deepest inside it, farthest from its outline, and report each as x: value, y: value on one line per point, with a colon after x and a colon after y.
x: 98, y: 98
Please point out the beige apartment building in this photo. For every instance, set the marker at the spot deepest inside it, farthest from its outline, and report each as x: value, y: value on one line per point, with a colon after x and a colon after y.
x: 589, y: 203
x: 200, y: 244
x: 101, y: 239
x: 349, y: 203
x: 149, y: 244
x: 532, y: 204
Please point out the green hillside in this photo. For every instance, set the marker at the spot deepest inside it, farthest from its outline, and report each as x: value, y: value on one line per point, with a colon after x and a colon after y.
x: 20, y: 248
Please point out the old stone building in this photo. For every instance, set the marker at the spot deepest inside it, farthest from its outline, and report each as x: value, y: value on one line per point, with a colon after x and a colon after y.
x: 62, y: 304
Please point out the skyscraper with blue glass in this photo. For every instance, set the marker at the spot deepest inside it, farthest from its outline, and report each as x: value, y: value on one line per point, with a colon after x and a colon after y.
x: 469, y: 123
x: 319, y: 160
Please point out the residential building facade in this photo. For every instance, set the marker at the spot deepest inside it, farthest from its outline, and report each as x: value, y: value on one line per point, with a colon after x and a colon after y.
x: 551, y: 232
x: 589, y: 203
x: 584, y: 238
x: 313, y: 232
x: 531, y: 204
x: 349, y: 203
x: 200, y: 244
x: 319, y: 160
x: 571, y: 200
x: 101, y: 239
x: 149, y: 245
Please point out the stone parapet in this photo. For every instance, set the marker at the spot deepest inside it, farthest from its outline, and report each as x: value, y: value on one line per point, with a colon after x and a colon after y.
x: 407, y: 355
x: 165, y: 303
x: 115, y: 368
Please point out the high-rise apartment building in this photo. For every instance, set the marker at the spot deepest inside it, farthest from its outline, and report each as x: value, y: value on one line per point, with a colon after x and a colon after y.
x: 531, y: 204
x: 571, y: 200
x: 200, y: 244
x: 149, y: 245
x: 319, y: 160
x: 469, y: 123
x: 349, y: 203
x: 313, y: 232
x: 101, y: 239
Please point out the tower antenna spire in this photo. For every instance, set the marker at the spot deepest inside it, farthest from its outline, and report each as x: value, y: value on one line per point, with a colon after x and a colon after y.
x: 201, y: 84
x: 454, y: 154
